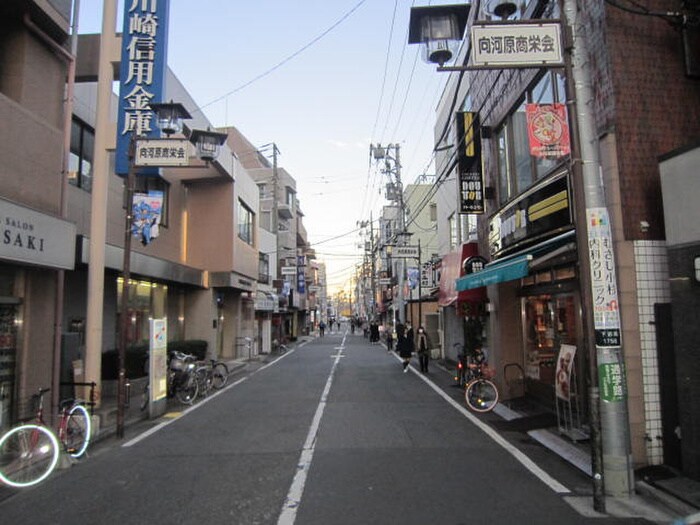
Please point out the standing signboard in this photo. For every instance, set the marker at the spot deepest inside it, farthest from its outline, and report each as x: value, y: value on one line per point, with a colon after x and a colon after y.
x: 158, y: 367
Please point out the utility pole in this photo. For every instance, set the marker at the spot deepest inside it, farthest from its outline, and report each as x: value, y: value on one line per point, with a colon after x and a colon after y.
x: 275, y: 225
x: 402, y: 231
x: 395, y: 195
x: 610, y: 433
x: 420, y: 288
x: 373, y: 309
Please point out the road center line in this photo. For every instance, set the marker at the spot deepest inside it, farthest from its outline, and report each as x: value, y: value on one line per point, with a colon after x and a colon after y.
x: 296, y: 490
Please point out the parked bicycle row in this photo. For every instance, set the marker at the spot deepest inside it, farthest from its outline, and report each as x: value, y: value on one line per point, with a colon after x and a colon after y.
x: 189, y: 379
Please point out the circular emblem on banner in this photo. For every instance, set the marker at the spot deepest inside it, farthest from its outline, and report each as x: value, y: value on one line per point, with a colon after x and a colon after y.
x: 473, y: 264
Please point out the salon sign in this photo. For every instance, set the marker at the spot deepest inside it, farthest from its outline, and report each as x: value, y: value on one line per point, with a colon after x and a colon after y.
x: 28, y: 236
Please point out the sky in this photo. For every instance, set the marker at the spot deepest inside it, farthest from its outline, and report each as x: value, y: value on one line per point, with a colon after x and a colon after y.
x: 321, y: 79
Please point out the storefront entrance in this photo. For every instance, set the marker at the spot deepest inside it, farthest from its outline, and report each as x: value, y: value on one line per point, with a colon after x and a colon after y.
x: 553, y: 366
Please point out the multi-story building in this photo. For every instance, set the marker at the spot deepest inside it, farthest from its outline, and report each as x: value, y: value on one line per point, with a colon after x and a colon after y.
x: 38, y: 242
x: 280, y: 214
x: 421, y: 226
x: 646, y: 104
x: 204, y: 272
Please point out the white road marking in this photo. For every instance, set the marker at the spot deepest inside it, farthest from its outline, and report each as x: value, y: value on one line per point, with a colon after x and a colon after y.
x: 495, y: 436
x: 164, y: 424
x: 296, y: 490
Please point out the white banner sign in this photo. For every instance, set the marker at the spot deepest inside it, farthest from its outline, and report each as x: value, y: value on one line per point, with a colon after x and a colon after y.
x: 606, y: 307
x: 162, y: 152
x: 517, y: 45
x: 405, y: 251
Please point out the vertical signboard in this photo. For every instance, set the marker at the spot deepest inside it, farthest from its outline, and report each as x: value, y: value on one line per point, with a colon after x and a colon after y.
x: 158, y: 366
x: 471, y: 180
x: 606, y: 308
x: 301, y: 277
x: 142, y: 74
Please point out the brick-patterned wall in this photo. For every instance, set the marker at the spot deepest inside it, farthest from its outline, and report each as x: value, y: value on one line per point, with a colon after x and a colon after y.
x: 643, y: 96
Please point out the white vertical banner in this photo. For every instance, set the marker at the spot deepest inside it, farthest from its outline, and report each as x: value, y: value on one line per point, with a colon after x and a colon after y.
x: 158, y: 359
x: 606, y: 306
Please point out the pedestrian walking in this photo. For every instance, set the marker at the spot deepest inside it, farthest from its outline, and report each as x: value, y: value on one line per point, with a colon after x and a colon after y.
x: 404, y: 348
x: 322, y: 328
x: 389, y: 339
x: 374, y: 333
x: 423, y: 350
x: 409, y: 336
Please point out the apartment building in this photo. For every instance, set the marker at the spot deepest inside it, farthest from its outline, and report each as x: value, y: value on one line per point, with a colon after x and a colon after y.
x: 38, y: 242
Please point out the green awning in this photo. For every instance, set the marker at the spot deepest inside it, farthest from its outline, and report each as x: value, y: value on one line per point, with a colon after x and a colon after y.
x: 499, y: 272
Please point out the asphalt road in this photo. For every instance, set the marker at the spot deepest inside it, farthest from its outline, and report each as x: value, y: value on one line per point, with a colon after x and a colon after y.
x: 331, y: 433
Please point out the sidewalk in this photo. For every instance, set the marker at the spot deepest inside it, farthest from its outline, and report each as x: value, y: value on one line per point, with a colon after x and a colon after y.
x: 105, y: 417
x: 661, y: 493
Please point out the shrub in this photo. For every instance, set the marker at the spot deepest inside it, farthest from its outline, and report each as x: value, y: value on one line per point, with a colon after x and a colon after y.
x: 136, y: 356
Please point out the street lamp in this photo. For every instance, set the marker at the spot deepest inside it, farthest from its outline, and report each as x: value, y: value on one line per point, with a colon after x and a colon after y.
x: 169, y: 117
x: 440, y: 28
x: 207, y: 143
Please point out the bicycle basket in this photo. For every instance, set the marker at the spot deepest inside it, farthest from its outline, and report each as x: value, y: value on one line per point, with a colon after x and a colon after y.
x: 488, y: 372
x: 177, y: 364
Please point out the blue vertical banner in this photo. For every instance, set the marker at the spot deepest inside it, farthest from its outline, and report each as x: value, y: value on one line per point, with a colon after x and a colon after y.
x: 142, y: 75
x: 301, y: 277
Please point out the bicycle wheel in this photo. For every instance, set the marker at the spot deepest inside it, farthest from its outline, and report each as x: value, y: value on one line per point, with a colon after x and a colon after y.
x: 219, y: 375
x: 481, y: 395
x: 78, y: 429
x: 204, y: 381
x: 187, y: 392
x: 28, y: 454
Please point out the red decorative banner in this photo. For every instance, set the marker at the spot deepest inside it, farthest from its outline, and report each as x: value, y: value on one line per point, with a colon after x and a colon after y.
x: 548, y: 130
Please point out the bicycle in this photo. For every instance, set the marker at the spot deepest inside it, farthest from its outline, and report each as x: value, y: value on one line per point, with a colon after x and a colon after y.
x: 474, y: 375
x: 29, y: 453
x: 480, y: 393
x: 213, y: 374
x: 182, y: 378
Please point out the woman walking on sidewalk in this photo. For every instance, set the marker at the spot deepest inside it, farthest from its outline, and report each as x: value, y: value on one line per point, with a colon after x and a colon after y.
x: 423, y: 350
x: 403, y: 347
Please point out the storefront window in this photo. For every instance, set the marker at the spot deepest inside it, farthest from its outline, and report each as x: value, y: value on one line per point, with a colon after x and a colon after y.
x: 146, y: 301
x: 550, y: 321
x: 518, y: 170
x: 503, y: 165
x: 521, y: 151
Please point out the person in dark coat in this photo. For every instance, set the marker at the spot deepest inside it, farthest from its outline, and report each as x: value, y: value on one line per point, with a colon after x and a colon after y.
x: 389, y: 339
x: 409, y: 336
x: 374, y: 333
x: 423, y: 350
x: 403, y: 346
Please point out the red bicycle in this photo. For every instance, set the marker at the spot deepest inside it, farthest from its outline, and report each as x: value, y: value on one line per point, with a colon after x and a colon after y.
x: 29, y: 453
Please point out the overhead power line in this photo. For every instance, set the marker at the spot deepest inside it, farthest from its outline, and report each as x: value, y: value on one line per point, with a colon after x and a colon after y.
x: 289, y: 58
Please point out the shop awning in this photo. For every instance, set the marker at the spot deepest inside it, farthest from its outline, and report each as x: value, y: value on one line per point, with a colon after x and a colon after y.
x: 499, y: 272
